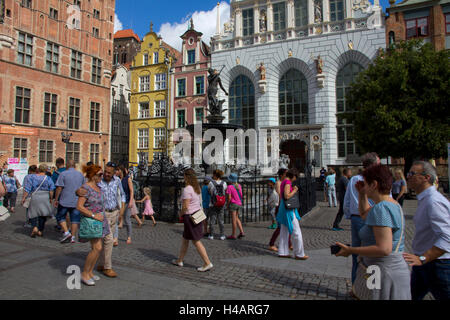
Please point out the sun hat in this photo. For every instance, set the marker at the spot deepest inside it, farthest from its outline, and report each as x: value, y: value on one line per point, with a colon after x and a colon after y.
x: 273, y: 180
x: 233, y: 177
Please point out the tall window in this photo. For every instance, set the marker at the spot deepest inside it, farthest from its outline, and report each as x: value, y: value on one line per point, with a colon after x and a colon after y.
x: 160, y: 81
x: 242, y: 102
x: 52, y: 59
x: 76, y: 64
x: 417, y: 27
x: 25, y: 49
x: 115, y: 146
x: 181, y: 87
x: 53, y: 14
x: 160, y: 108
x: 156, y: 57
x: 116, y: 127
x: 293, y: 98
x: 248, y: 23
x: 96, y: 14
x: 124, y: 129
x: 191, y: 56
x: 95, y: 32
x: 279, y: 16
x: 74, y: 113
x: 199, y: 115
x: 301, y: 13
x: 20, y: 148
x: 200, y: 85
x: 144, y: 84
x: 336, y: 10
x: 73, y: 152
x: 144, y: 110
x: 26, y: 3
x: 116, y: 106
x: 94, y: 154
x: 344, y: 79
x: 23, y: 105
x: 160, y: 137
x: 143, y: 138
x: 181, y: 118
x: 45, y: 151
x: 96, y: 71
x: 95, y: 117
x: 146, y: 59
x: 50, y: 106
x: 447, y: 23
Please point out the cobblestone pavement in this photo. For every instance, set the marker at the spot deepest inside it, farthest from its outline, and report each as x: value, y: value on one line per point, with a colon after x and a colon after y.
x: 154, y: 247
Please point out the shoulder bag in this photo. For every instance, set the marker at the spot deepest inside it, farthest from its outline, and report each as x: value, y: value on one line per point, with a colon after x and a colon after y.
x: 27, y: 201
x: 293, y: 202
x: 360, y: 289
x: 90, y: 228
x: 199, y: 216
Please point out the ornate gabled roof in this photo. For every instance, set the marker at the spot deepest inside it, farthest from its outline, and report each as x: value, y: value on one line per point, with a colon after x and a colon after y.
x: 128, y: 33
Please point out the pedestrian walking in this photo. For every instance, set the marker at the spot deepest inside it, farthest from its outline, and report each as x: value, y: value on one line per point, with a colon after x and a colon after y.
x: 191, y: 199
x: 273, y: 201
x: 399, y: 187
x: 235, y: 203
x: 289, y: 220
x: 2, y: 187
x: 69, y: 181
x: 31, y: 171
x: 431, y: 244
x: 331, y: 188
x: 206, y: 200
x: 341, y: 189
x: 12, y: 185
x: 281, y: 177
x: 382, y: 240
x: 60, y: 168
x: 41, y: 189
x: 217, y: 189
x: 352, y: 206
x: 148, y: 209
x: 91, y: 206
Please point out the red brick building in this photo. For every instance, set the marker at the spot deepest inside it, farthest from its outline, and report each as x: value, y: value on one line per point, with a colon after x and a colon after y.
x: 190, y: 81
x: 55, y: 66
x: 424, y: 19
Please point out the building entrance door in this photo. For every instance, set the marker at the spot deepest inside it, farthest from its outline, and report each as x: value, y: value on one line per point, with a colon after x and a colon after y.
x: 296, y: 150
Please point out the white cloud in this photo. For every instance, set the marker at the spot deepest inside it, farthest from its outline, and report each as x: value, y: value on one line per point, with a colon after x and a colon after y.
x: 204, y: 22
x: 117, y: 24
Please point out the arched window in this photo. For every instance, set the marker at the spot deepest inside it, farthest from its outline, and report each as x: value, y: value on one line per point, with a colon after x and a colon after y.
x: 346, y: 141
x: 242, y: 102
x: 293, y: 98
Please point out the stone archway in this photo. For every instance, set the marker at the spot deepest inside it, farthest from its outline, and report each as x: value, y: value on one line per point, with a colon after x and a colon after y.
x: 296, y: 150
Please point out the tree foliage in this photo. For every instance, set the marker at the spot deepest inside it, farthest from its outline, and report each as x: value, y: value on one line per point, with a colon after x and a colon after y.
x: 402, y: 103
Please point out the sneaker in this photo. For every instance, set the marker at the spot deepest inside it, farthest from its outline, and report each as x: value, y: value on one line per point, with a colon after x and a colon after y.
x: 222, y: 238
x: 210, y: 237
x: 273, y: 226
x: 204, y: 269
x: 73, y: 240
x: 338, y: 229
x: 176, y: 263
x: 66, y: 238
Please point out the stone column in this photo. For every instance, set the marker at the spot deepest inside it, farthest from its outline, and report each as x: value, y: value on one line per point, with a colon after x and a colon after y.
x: 348, y: 9
x: 269, y: 16
x: 290, y: 14
x: 218, y: 19
x: 256, y: 18
x: 310, y: 11
x: 326, y: 10
x: 238, y: 23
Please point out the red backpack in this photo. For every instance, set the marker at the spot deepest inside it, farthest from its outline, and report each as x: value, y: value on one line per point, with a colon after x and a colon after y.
x: 218, y: 198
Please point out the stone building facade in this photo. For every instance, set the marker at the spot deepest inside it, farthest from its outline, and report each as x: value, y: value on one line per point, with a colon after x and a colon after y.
x: 126, y: 45
x: 288, y: 64
x: 55, y: 63
x: 426, y: 20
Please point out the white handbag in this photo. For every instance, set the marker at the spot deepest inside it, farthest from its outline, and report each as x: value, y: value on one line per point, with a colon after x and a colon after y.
x: 198, y: 217
x: 4, y: 213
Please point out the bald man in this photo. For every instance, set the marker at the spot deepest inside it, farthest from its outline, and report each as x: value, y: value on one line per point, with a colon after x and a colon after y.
x: 66, y: 200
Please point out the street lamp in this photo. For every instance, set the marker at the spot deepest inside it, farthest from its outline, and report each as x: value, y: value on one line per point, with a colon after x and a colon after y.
x: 65, y: 135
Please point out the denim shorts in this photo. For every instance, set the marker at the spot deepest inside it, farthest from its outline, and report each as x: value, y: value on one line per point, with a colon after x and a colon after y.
x: 235, y: 207
x: 75, y: 215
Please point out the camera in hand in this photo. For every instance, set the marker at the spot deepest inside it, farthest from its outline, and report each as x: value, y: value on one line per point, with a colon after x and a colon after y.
x: 335, y: 249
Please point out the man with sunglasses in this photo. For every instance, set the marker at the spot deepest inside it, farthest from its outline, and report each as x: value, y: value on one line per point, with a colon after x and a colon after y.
x: 112, y: 189
x: 431, y: 243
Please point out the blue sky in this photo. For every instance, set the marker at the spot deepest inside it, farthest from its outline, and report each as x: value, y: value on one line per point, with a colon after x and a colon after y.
x: 170, y: 17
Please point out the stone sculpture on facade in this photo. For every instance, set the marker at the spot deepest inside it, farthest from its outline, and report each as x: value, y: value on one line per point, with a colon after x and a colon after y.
x: 317, y: 11
x: 263, y: 21
x: 284, y: 161
x: 320, y: 76
x: 215, y: 106
x: 228, y: 27
x: 262, y: 81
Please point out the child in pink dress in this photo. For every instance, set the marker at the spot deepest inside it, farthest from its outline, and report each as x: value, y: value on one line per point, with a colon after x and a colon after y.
x: 148, y: 211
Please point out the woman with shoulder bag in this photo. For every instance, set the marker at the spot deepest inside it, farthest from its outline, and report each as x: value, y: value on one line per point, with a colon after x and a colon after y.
x: 191, y: 198
x: 94, y: 227
x: 235, y: 203
x: 40, y: 188
x: 382, y: 239
x: 289, y: 220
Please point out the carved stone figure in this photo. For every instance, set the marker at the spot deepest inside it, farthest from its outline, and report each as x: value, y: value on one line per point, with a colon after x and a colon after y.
x: 229, y: 26
x: 215, y: 106
x: 263, y: 21
x: 317, y: 11
x: 284, y: 161
x: 319, y: 65
x: 262, y: 71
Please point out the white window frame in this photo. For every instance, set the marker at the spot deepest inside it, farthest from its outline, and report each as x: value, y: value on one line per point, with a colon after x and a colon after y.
x: 156, y: 57
x: 160, y: 109
x: 158, y: 135
x: 142, y: 114
x: 160, y: 81
x: 143, y: 138
x: 144, y: 86
x: 145, y: 59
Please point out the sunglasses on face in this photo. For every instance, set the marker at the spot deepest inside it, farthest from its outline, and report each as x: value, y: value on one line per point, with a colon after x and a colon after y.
x: 111, y: 164
x: 412, y: 174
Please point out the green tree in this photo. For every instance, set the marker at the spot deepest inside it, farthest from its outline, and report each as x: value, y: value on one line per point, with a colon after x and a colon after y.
x: 401, y: 103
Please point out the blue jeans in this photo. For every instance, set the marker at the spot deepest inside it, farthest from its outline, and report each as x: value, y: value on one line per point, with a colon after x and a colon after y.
x: 432, y: 277
x: 75, y: 215
x: 357, y: 224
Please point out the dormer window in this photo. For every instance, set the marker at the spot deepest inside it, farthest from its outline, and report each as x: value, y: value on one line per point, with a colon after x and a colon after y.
x: 191, y: 56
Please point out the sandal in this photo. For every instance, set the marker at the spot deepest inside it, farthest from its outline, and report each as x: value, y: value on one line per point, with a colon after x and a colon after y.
x: 34, y: 234
x: 302, y: 258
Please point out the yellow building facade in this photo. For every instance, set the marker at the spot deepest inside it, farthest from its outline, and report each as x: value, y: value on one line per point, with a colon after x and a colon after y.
x: 150, y: 100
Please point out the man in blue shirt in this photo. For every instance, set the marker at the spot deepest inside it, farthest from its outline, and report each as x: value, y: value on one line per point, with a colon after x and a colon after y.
x: 206, y: 199
x: 431, y: 243
x: 68, y: 183
x: 353, y: 203
x: 60, y: 169
x: 331, y: 188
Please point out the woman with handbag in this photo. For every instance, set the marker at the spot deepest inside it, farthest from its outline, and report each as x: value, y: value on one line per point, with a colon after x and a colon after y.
x: 93, y: 227
x: 235, y: 203
x: 193, y: 217
x: 288, y: 218
x: 40, y: 188
x: 382, y: 239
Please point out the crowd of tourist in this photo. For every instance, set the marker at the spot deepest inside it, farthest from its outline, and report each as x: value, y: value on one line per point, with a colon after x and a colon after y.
x: 95, y: 203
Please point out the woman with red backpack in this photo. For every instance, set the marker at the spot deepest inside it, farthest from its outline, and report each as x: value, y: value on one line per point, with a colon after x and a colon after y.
x: 235, y: 203
x: 217, y: 189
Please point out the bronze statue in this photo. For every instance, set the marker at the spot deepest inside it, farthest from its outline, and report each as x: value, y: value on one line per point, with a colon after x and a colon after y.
x: 215, y: 106
x: 262, y: 71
